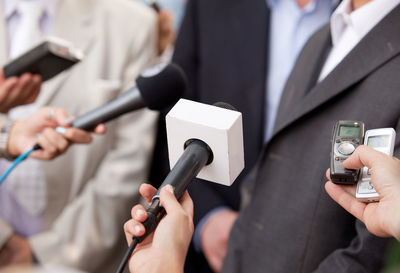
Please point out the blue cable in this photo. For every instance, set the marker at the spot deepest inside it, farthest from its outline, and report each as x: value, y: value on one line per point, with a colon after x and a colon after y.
x: 18, y: 160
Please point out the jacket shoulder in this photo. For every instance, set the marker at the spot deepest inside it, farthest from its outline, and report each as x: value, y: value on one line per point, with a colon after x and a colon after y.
x: 126, y: 11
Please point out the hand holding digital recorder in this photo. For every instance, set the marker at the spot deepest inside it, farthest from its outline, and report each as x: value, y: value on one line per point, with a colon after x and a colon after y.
x: 347, y: 135
x: 47, y: 59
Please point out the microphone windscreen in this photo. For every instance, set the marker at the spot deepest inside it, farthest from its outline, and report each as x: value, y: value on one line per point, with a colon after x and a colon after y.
x: 221, y: 129
x: 225, y: 106
x: 162, y: 85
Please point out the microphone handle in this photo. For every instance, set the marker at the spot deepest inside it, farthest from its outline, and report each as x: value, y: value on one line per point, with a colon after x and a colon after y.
x: 196, y: 155
x: 124, y: 103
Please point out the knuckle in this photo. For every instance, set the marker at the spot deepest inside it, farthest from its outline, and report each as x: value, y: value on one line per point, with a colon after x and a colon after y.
x: 126, y: 225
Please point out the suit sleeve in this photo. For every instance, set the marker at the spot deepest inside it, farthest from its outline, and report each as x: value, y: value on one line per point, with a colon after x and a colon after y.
x: 364, y: 254
x: 90, y: 227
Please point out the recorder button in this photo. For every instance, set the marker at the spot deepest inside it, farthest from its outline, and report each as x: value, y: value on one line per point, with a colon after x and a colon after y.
x: 346, y: 148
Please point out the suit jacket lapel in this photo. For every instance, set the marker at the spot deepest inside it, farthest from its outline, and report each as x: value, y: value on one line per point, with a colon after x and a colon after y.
x: 304, y: 73
x: 379, y: 46
x: 74, y: 24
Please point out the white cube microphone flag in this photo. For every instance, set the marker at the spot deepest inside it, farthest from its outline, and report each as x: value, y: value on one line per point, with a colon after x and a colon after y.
x: 221, y: 129
x: 204, y: 141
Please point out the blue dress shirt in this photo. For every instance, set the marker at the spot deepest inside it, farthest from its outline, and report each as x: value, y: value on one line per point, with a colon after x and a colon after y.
x: 290, y: 28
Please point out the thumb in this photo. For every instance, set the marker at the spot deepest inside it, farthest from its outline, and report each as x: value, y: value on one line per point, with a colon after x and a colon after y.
x: 363, y: 156
x: 168, y: 200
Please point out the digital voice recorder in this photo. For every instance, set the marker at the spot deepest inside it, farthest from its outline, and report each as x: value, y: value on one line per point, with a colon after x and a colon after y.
x: 47, y: 59
x: 347, y: 135
x: 381, y: 140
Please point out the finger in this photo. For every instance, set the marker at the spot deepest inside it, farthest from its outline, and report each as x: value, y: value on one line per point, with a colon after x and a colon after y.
x: 351, y: 189
x: 43, y: 118
x: 34, y: 94
x: 48, y: 150
x: 37, y: 81
x: 328, y: 174
x: 57, y: 140
x: 18, y: 93
x: 6, y: 87
x: 100, y: 129
x: 147, y: 191
x: 30, y: 88
x: 133, y: 228
x: 168, y: 200
x: 187, y: 203
x: 62, y: 117
x: 138, y: 213
x: 9, y: 84
x: 22, y: 83
x: 76, y: 135
x: 364, y: 156
x: 346, y: 200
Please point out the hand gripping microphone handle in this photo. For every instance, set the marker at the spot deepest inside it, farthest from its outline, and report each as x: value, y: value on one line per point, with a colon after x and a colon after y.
x: 156, y: 89
x: 196, y: 155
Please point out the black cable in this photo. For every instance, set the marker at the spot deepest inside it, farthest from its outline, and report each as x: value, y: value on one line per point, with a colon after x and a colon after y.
x: 127, y: 255
x: 154, y: 214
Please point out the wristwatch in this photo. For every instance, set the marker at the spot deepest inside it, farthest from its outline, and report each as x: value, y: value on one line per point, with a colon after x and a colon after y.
x: 4, y: 134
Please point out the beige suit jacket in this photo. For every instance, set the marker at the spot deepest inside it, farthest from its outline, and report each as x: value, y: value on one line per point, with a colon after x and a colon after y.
x: 90, y: 189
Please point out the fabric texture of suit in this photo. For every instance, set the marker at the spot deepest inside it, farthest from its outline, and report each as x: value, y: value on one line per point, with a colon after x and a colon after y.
x: 222, y: 46
x: 290, y: 224
x: 91, y: 188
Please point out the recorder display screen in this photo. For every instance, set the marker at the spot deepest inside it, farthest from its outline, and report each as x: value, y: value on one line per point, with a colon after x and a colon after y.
x: 378, y: 141
x: 351, y: 131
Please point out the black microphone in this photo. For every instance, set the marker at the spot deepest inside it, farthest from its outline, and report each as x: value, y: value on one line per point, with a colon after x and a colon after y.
x: 196, y: 155
x: 157, y: 88
x: 153, y: 90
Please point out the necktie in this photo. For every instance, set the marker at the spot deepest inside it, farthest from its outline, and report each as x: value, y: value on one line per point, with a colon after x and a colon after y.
x: 28, y: 31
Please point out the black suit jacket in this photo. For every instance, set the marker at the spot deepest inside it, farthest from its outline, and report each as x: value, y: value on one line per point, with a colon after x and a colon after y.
x: 290, y: 224
x: 222, y: 46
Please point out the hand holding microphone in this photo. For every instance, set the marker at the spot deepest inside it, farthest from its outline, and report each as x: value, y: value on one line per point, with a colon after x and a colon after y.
x: 41, y: 127
x: 165, y: 249
x: 157, y: 88
x: 204, y: 141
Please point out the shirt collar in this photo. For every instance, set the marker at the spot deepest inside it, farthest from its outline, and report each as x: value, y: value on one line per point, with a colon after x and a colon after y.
x: 49, y: 6
x: 361, y: 20
x: 307, y: 9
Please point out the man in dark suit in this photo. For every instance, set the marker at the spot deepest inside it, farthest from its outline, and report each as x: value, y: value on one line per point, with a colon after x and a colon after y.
x: 290, y: 224
x: 224, y: 48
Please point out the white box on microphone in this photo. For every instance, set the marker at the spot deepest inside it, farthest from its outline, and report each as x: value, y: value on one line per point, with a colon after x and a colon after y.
x: 220, y: 128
